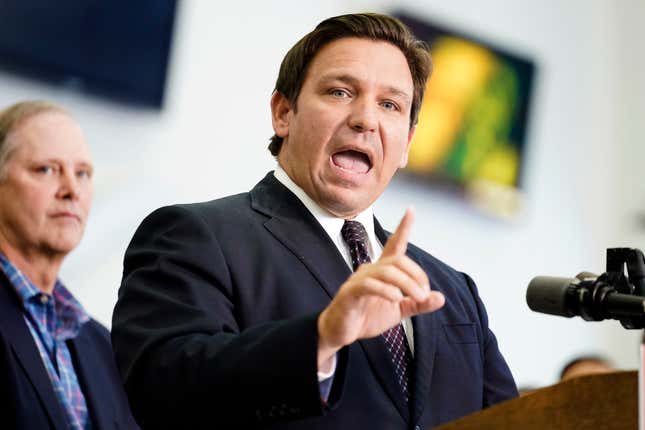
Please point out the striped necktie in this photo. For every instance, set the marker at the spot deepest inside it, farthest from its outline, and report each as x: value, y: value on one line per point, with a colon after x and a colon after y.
x: 355, y: 236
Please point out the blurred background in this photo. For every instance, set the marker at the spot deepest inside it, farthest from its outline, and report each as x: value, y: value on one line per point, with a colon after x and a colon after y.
x: 575, y: 187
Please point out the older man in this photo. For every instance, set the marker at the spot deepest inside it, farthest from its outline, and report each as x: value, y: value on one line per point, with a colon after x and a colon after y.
x: 56, y: 363
x: 289, y: 307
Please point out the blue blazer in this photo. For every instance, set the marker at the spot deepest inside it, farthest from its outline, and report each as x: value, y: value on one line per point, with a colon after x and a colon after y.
x: 216, y: 327
x: 27, y: 398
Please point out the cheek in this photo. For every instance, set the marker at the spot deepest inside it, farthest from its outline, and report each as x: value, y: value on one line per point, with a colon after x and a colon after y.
x: 396, y: 151
x: 35, y: 204
x: 87, y: 203
x: 29, y: 213
x: 40, y: 205
x: 323, y: 126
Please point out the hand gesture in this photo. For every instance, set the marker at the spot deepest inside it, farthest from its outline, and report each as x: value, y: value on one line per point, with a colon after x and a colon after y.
x: 377, y: 297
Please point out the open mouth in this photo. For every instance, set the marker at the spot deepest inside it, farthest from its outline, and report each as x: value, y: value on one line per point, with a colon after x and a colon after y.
x: 352, y: 161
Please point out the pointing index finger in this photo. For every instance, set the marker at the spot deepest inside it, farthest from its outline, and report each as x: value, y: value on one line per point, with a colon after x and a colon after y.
x: 397, y: 244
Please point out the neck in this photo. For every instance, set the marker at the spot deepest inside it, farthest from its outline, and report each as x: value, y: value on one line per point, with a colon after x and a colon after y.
x: 299, y: 191
x: 41, y: 270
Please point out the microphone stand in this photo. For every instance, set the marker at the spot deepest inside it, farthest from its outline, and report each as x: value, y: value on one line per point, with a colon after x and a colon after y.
x: 619, y: 259
x: 641, y: 385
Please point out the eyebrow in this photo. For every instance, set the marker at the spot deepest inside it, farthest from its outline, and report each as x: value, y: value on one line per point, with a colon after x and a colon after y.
x: 84, y: 164
x: 351, y: 80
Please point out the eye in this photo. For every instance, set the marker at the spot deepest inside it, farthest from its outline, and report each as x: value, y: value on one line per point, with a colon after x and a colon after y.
x: 389, y: 105
x: 46, y: 169
x: 84, y: 174
x: 338, y: 92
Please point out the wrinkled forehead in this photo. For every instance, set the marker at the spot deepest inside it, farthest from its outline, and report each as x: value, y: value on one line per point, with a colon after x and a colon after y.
x: 374, y: 59
x: 51, y: 133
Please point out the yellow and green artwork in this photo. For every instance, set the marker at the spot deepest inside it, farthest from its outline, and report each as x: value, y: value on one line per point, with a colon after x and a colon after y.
x: 473, y: 120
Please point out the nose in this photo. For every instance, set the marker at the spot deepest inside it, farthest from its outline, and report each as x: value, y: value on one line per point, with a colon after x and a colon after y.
x: 69, y: 187
x: 363, y: 117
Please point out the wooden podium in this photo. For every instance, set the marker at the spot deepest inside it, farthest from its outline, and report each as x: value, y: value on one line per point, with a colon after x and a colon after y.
x: 597, y: 402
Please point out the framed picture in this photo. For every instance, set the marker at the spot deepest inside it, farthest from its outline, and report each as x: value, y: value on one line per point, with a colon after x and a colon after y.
x: 471, y: 135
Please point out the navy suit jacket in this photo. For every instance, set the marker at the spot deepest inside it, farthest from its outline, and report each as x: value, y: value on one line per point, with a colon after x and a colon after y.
x: 216, y: 327
x: 27, y: 397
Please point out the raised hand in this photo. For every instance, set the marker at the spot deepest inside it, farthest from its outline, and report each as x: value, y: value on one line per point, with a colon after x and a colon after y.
x: 377, y: 297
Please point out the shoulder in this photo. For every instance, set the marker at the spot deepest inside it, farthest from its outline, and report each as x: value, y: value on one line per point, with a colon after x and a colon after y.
x: 206, y: 211
x: 94, y: 339
x: 462, y: 296
x: 194, y: 220
x: 95, y: 332
x: 438, y: 268
x: 193, y: 239
x: 426, y: 259
x: 239, y: 214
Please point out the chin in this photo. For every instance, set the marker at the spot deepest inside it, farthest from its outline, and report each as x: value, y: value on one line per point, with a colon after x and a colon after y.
x: 63, y: 246
x: 343, y: 207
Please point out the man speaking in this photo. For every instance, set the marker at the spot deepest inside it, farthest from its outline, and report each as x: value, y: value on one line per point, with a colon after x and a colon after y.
x: 289, y: 307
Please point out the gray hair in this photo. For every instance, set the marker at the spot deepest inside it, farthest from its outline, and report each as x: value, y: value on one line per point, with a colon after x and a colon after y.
x: 11, y: 118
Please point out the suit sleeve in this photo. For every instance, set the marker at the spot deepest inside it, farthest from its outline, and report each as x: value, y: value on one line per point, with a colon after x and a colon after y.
x: 499, y: 384
x: 185, y: 361
x: 8, y: 399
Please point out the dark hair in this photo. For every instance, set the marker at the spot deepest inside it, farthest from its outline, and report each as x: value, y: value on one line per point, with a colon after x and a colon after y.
x: 363, y: 25
x: 584, y: 358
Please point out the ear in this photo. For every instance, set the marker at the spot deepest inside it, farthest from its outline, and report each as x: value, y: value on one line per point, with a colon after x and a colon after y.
x: 404, y: 155
x: 280, y: 110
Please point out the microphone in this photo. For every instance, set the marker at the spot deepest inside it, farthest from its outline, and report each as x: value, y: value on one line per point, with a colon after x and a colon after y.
x: 588, y: 296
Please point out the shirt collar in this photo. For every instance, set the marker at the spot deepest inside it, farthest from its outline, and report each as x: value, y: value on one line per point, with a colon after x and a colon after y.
x: 330, y: 223
x: 23, y: 287
x: 69, y: 312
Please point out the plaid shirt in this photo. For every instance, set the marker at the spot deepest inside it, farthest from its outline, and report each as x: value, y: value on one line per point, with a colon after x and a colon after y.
x: 52, y: 320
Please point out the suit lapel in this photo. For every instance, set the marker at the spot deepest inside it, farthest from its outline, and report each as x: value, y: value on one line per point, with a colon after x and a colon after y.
x: 425, y: 339
x: 381, y: 363
x: 89, y: 369
x: 425, y: 343
x: 296, y: 228
x: 27, y: 354
x: 425, y: 328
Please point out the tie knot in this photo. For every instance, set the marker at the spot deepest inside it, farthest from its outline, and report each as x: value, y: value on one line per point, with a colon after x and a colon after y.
x: 353, y: 232
x: 355, y: 236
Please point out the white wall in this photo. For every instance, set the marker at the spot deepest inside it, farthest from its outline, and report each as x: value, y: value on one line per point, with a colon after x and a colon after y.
x: 572, y: 173
x: 631, y: 83
x: 210, y: 141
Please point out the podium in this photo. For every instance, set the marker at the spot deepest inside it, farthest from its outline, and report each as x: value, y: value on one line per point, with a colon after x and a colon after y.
x: 602, y: 401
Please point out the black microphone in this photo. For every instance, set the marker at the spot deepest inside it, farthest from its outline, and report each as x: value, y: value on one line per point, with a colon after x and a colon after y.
x: 594, y: 299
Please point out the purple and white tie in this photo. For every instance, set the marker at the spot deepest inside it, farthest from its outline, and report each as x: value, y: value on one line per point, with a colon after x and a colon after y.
x: 355, y: 236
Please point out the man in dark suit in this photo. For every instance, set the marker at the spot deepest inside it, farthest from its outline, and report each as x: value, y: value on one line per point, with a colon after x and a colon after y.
x: 289, y: 307
x: 57, y: 368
